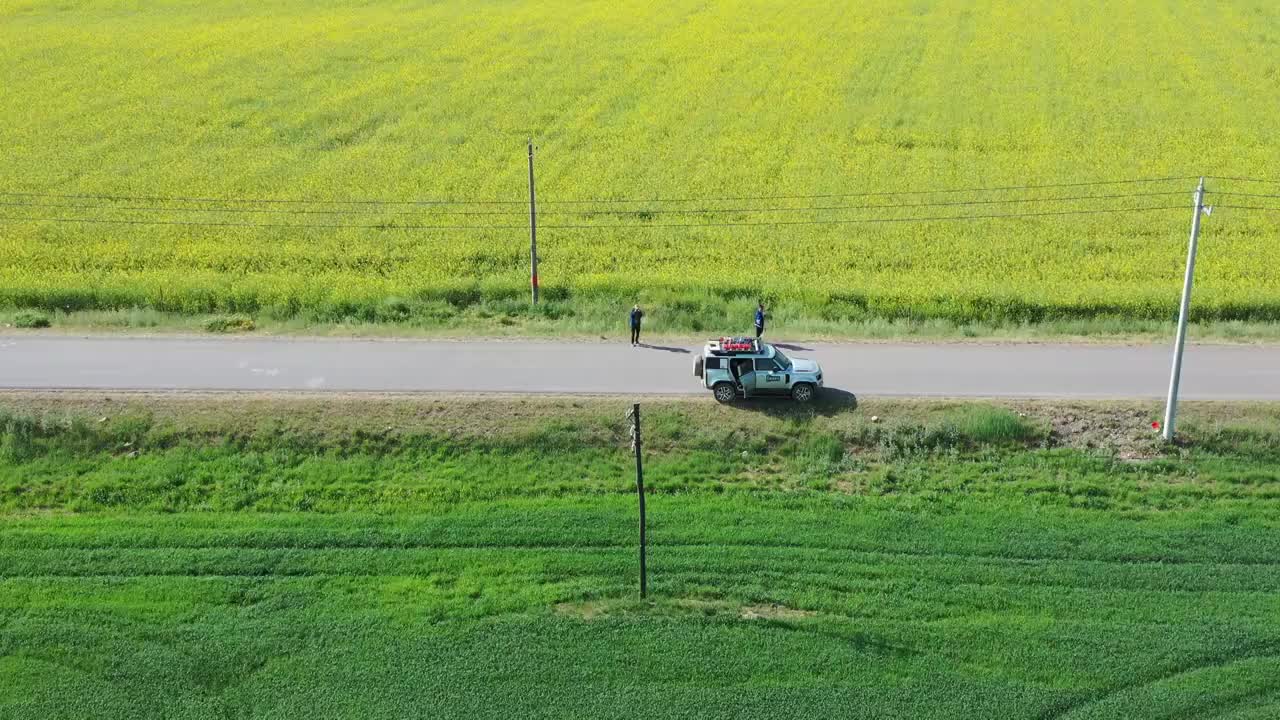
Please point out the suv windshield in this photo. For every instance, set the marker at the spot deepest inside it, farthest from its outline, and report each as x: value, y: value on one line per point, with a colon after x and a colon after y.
x: 783, y: 361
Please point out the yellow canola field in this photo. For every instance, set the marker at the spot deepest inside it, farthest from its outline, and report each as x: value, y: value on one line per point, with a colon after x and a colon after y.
x: 650, y: 119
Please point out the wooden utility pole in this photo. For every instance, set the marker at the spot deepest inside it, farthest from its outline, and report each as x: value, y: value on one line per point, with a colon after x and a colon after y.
x: 533, y: 228
x: 634, y: 417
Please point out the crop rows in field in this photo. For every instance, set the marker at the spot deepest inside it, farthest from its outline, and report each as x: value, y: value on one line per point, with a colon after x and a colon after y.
x: 784, y: 112
x: 1065, y: 264
x: 229, y: 556
x: 141, y: 616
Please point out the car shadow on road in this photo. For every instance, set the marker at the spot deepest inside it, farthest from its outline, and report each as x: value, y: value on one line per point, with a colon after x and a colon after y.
x: 830, y: 401
x: 683, y: 351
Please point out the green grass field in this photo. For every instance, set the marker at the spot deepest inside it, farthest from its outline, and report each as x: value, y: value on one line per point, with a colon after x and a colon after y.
x: 329, y: 558
x: 775, y: 102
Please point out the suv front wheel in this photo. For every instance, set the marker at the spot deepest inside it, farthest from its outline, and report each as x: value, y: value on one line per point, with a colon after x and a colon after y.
x: 802, y: 392
x: 725, y: 392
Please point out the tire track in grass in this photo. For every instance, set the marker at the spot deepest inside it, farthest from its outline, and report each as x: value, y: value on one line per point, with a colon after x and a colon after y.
x: 627, y: 544
x: 267, y: 573
x: 1225, y: 659
x: 1259, y: 697
x: 1246, y: 707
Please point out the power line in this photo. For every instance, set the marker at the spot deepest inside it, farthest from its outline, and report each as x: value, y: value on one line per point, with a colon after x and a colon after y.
x: 877, y: 193
x: 1243, y: 179
x: 282, y: 211
x: 692, y: 211
x: 864, y: 220
x: 1248, y: 207
x: 1240, y: 194
x: 316, y: 201
x: 508, y: 213
x: 262, y: 201
x: 580, y: 227
x: 106, y: 221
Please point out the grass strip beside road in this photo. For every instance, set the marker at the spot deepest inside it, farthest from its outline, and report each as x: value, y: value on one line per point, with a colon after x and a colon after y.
x: 594, y: 321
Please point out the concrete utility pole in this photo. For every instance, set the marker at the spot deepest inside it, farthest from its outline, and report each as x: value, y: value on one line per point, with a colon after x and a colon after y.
x: 533, y: 228
x: 1175, y: 376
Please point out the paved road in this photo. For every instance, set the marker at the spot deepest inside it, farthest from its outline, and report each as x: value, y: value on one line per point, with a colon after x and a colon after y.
x: 1210, y: 372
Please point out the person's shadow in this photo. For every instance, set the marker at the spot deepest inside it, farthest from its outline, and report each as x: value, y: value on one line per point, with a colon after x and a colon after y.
x: 788, y: 346
x: 683, y: 351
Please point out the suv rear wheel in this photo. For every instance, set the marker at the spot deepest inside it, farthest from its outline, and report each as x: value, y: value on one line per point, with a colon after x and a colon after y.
x: 725, y: 392
x: 802, y: 392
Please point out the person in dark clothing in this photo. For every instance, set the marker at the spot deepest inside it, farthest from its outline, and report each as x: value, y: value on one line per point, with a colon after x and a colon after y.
x: 636, y: 315
x: 759, y: 320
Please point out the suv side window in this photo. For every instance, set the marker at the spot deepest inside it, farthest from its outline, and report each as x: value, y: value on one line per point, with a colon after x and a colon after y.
x: 713, y: 363
x: 766, y: 365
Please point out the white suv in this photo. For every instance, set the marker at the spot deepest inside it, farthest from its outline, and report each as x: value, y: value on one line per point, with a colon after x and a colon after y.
x: 743, y: 367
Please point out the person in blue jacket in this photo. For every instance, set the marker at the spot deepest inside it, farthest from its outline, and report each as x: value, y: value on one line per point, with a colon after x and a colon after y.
x: 636, y: 316
x: 760, y: 320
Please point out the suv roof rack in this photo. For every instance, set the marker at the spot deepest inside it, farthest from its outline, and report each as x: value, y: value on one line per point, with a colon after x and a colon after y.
x: 734, y: 346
